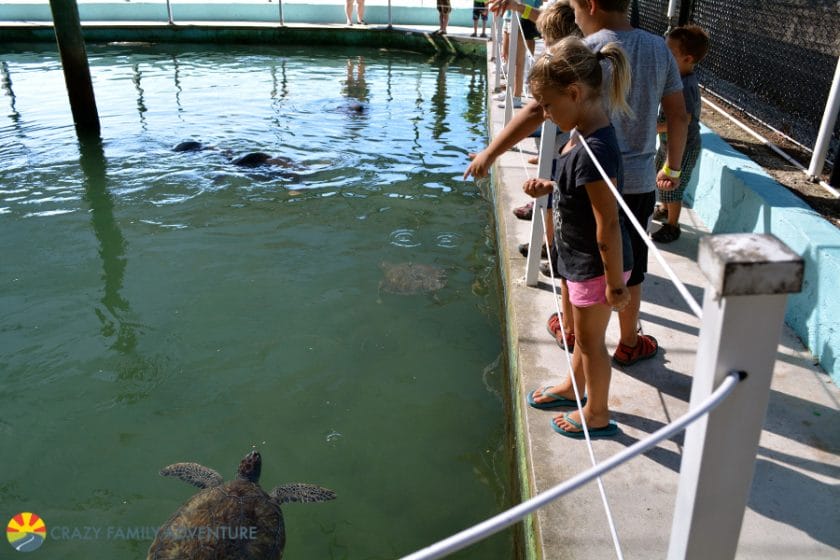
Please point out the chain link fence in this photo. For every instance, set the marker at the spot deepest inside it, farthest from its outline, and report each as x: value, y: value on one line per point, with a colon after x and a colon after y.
x: 773, y: 60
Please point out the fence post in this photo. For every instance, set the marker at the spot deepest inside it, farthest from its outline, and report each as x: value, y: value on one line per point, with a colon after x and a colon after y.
x: 548, y: 149
x: 497, y: 52
x: 750, y: 276
x: 513, y: 46
x: 832, y: 108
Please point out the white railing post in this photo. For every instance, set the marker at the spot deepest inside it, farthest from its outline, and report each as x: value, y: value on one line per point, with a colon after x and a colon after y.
x: 497, y: 52
x: 548, y: 149
x: 513, y: 47
x: 832, y: 108
x: 750, y: 276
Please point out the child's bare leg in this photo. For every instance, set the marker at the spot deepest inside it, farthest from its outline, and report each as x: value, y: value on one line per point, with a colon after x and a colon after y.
x: 564, y: 388
x: 348, y: 11
x: 566, y: 307
x: 674, y: 210
x: 591, y: 356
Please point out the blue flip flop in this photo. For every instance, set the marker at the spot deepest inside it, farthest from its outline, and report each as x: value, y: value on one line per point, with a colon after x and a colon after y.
x: 609, y: 430
x: 556, y: 403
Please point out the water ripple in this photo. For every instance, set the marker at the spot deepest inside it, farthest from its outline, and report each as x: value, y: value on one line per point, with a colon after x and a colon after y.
x: 404, y: 238
x: 448, y: 239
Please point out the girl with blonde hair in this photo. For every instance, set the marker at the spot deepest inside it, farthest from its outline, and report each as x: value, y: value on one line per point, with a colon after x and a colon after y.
x: 594, y: 254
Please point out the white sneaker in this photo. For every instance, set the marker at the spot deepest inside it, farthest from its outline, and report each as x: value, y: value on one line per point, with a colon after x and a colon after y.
x: 499, y: 96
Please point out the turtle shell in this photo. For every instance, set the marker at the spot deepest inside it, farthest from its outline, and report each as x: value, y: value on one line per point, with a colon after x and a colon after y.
x: 234, y: 521
x: 412, y: 278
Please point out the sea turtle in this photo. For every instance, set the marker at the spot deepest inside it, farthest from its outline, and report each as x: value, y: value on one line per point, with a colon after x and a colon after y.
x: 255, y: 159
x: 411, y: 278
x: 188, y: 146
x: 233, y: 520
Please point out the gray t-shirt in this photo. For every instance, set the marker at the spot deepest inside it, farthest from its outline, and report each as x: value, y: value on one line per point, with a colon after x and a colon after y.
x: 654, y: 74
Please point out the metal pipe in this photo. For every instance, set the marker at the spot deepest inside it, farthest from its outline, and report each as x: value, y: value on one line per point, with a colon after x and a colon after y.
x: 389, y: 15
x: 834, y: 192
x: 517, y: 513
x: 832, y: 107
x: 169, y: 13
x: 280, y: 7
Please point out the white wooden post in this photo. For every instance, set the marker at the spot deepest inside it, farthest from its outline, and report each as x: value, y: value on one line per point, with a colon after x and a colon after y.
x: 497, y: 52
x: 548, y: 149
x: 513, y: 47
x: 832, y: 108
x: 750, y: 276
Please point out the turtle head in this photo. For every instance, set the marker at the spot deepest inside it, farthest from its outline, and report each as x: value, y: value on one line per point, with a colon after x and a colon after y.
x: 250, y: 467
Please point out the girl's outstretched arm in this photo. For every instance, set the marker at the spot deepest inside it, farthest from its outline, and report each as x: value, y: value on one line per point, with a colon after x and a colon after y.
x: 608, y: 236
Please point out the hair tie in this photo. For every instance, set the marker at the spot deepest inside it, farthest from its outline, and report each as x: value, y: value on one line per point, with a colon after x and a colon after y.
x: 600, y: 56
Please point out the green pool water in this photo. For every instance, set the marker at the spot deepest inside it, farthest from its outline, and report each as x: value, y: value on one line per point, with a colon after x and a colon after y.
x: 160, y: 306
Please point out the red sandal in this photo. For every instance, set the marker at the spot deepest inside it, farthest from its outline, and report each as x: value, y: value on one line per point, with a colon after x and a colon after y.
x: 555, y: 331
x: 645, y: 348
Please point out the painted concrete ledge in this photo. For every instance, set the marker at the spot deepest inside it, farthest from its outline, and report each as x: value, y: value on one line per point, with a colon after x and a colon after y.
x: 731, y: 193
x: 253, y: 33
x: 263, y: 11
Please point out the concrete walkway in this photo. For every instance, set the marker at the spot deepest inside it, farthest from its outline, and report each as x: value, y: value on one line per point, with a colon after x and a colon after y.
x: 793, y: 508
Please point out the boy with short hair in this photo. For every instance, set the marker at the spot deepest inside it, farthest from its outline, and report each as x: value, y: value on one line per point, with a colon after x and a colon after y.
x: 689, y: 45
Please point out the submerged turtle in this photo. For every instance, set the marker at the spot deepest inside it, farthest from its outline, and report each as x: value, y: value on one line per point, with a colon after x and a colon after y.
x: 255, y: 159
x: 188, y: 146
x: 411, y: 278
x: 233, y: 520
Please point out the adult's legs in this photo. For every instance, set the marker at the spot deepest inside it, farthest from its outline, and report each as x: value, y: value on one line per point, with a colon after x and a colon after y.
x: 360, y: 11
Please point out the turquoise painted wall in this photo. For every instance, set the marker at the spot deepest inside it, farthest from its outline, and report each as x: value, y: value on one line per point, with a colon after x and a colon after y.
x: 256, y: 12
x: 731, y: 193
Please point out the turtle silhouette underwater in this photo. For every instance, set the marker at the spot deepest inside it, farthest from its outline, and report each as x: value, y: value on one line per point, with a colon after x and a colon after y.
x: 256, y: 159
x: 234, y: 520
x: 410, y: 278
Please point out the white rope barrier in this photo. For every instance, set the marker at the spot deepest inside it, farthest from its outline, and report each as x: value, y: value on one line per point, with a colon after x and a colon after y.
x: 584, y: 426
x: 497, y: 523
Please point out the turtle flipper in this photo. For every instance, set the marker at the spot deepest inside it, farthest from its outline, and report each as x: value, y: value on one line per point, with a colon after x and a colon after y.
x: 193, y: 473
x: 301, y: 493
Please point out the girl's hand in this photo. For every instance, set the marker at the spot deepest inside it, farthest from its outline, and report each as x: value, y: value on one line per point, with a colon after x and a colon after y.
x: 618, y: 296
x: 536, y: 187
x: 480, y: 165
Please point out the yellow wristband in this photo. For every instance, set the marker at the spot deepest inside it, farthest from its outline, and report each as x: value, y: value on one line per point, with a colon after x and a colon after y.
x: 526, y: 12
x: 672, y: 173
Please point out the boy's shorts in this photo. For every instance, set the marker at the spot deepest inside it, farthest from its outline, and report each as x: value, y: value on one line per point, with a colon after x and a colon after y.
x: 689, y: 162
x: 590, y: 292
x: 641, y: 205
x: 443, y: 6
x: 529, y: 29
x: 479, y: 10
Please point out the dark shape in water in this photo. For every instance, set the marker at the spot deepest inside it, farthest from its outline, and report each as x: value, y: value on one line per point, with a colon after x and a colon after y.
x: 234, y: 520
x: 188, y: 146
x: 255, y: 159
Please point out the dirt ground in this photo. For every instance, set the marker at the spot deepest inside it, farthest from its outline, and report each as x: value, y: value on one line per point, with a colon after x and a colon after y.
x: 776, y: 166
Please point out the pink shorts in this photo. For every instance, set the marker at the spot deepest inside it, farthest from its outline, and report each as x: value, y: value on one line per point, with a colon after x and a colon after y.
x: 590, y: 292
